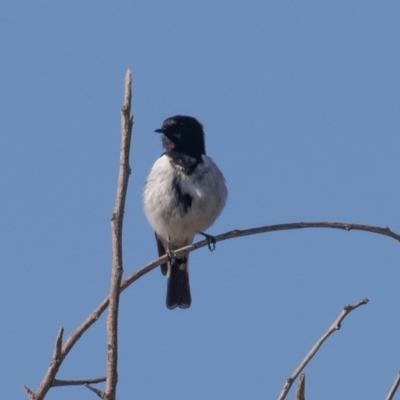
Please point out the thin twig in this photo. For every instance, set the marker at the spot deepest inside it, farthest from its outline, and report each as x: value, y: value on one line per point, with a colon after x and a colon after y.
x: 301, y: 388
x: 99, y: 393
x: 394, y: 388
x: 58, y: 346
x: 28, y: 392
x: 347, y: 309
x: 116, y: 234
x: 77, y: 382
x: 95, y: 315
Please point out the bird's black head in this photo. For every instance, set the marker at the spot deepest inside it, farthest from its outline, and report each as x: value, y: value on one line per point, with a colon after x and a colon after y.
x: 183, y: 134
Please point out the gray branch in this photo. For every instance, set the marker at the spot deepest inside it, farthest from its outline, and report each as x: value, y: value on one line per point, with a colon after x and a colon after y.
x: 347, y: 309
x: 77, y: 382
x: 394, y: 388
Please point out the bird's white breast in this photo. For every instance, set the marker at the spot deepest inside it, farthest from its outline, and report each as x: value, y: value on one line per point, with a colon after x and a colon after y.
x: 169, y: 219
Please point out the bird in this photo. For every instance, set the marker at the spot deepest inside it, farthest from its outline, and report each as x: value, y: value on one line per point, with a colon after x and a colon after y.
x: 184, y: 194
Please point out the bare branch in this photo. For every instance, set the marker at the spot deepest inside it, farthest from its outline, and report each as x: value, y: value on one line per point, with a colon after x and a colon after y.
x: 99, y: 393
x: 254, y: 231
x: 95, y: 315
x: 347, y: 309
x: 301, y: 388
x: 77, y: 382
x: 296, y: 225
x: 116, y: 234
x: 394, y: 388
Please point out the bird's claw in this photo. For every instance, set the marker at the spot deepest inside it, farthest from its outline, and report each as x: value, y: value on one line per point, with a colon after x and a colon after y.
x: 171, y: 256
x: 170, y: 253
x: 210, y: 241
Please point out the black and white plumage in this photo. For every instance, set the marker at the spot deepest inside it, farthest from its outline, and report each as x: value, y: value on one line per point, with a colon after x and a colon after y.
x: 184, y: 194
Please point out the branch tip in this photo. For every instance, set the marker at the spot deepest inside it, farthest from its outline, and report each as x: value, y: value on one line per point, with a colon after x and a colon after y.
x: 301, y: 387
x: 58, y: 345
x: 360, y: 303
x: 28, y: 391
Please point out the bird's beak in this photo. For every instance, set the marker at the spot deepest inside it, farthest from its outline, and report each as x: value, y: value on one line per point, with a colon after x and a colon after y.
x: 159, y: 130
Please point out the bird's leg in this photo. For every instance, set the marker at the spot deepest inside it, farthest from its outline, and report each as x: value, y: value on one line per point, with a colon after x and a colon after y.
x: 170, y: 253
x: 210, y: 240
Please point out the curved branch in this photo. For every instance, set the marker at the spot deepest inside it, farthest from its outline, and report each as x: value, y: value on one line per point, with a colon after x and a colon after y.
x: 95, y: 315
x: 236, y: 233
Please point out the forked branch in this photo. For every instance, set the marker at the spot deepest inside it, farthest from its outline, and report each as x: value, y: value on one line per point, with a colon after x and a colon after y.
x: 95, y: 315
x: 61, y: 351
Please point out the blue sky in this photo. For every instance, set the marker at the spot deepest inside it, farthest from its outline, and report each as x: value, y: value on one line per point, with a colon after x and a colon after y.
x: 300, y: 103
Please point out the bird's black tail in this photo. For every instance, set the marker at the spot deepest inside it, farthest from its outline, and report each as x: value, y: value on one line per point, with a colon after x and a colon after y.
x: 178, y: 291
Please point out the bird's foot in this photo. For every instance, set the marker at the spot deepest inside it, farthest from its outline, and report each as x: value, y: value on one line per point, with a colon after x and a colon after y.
x: 210, y: 241
x: 170, y: 253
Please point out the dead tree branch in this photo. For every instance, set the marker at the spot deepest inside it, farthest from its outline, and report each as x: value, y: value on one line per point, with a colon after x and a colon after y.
x: 95, y: 315
x: 347, y: 309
